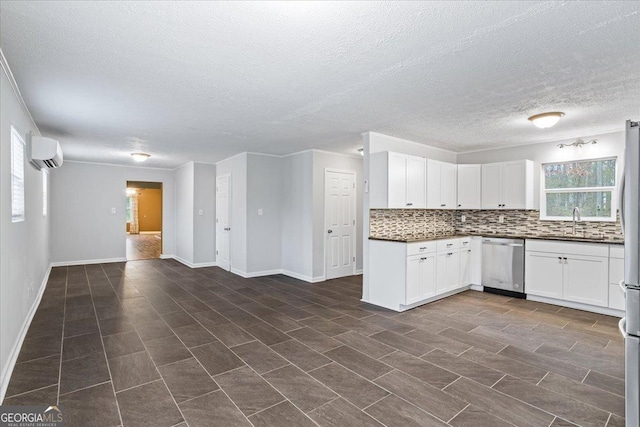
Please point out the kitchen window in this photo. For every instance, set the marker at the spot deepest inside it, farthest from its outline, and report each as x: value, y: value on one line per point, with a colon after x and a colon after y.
x: 17, y: 176
x: 589, y: 185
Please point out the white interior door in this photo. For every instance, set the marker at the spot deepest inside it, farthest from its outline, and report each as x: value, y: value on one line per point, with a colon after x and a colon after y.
x: 223, y: 223
x: 340, y: 223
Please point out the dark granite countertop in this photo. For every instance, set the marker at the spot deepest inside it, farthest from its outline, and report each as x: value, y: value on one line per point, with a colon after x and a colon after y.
x: 565, y: 238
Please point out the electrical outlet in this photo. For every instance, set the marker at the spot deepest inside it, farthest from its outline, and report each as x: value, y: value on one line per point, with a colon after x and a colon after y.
x: 113, y: 210
x: 200, y: 212
x: 501, y: 219
x: 463, y: 218
x: 259, y: 212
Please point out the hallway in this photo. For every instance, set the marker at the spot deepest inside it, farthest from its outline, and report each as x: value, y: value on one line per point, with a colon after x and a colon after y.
x: 144, y: 246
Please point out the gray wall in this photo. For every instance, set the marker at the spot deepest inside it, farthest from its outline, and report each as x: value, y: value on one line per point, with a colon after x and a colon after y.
x: 83, y: 228
x: 297, y: 214
x: 264, y: 232
x: 24, y: 246
x: 237, y: 167
x: 184, y: 189
x: 204, y: 226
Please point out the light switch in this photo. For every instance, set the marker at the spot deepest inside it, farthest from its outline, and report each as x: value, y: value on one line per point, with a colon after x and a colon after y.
x: 200, y: 212
x: 501, y: 219
x: 259, y: 212
x: 113, y: 210
x: 463, y: 218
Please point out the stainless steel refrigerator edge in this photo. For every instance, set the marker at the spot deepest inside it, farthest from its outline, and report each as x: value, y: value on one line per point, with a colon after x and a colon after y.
x: 630, y: 324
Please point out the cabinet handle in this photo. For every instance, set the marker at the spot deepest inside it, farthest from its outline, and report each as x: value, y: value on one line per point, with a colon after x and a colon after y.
x: 422, y: 259
x: 424, y: 248
x: 560, y: 258
x: 443, y: 205
x: 409, y: 204
x: 449, y: 245
x: 450, y: 253
x: 459, y: 206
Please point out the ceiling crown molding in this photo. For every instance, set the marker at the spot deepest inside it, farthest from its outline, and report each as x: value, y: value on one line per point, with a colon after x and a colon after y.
x: 16, y: 90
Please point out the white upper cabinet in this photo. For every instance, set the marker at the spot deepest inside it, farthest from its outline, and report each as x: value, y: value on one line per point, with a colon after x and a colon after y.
x: 441, y: 185
x: 507, y: 185
x: 397, y: 181
x: 469, y: 185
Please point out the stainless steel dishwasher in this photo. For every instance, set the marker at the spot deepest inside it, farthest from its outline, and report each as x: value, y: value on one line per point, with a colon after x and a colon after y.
x: 503, y: 266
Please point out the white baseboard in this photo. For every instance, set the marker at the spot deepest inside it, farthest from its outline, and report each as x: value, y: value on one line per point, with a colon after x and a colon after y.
x: 255, y: 273
x: 86, y: 262
x: 578, y: 306
x: 303, y: 277
x: 192, y: 264
x: 358, y: 272
x: 7, y: 370
x: 476, y: 288
x: 167, y: 256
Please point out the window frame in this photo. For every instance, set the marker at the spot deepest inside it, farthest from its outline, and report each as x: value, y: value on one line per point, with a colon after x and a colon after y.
x: 614, y: 193
x: 17, y: 138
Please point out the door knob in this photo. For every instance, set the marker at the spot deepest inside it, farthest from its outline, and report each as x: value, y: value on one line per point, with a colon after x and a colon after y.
x: 329, y: 231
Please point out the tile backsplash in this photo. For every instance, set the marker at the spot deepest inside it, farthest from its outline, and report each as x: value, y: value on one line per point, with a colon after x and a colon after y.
x: 418, y: 223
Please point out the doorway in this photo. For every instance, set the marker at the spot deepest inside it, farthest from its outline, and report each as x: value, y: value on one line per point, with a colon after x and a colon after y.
x: 223, y: 223
x: 144, y: 220
x: 340, y: 223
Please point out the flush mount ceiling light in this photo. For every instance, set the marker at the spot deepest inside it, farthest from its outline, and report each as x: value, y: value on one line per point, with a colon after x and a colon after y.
x: 140, y: 157
x: 579, y: 143
x: 546, y: 120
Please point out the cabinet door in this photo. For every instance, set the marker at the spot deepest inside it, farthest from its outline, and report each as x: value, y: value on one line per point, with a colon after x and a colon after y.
x: 585, y: 279
x: 397, y: 190
x: 465, y: 268
x: 514, y: 185
x: 448, y: 187
x: 421, y: 280
x: 469, y: 182
x: 416, y: 181
x: 544, y: 274
x: 491, y: 186
x: 434, y: 178
x: 447, y: 271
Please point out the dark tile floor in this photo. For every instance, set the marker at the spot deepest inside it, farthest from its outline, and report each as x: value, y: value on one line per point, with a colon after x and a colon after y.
x: 156, y: 343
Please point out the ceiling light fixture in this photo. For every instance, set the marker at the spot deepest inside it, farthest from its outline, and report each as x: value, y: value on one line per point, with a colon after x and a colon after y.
x: 361, y: 151
x: 579, y: 143
x: 546, y: 120
x: 140, y: 157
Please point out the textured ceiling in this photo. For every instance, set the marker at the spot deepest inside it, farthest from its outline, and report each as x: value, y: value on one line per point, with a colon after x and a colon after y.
x: 205, y: 80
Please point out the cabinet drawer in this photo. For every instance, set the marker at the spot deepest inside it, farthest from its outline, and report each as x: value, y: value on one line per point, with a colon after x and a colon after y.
x: 616, y: 297
x: 418, y: 248
x: 617, y: 251
x: 447, y: 245
x: 570, y: 248
x: 616, y: 270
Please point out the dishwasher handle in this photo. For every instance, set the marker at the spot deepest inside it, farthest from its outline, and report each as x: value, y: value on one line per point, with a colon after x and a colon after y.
x: 489, y: 242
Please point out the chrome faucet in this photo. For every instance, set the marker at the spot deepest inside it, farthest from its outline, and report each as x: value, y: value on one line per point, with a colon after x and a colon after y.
x: 576, y: 218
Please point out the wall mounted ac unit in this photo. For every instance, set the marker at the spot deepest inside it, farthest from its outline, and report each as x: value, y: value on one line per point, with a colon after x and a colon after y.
x: 46, y: 153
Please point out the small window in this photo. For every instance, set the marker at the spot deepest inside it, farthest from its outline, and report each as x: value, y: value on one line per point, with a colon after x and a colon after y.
x: 45, y: 192
x: 17, y: 176
x: 589, y: 185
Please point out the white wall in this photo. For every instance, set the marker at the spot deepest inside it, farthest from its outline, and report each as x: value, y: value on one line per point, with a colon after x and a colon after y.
x: 264, y: 232
x: 237, y: 167
x: 204, y: 226
x: 297, y: 215
x: 83, y: 229
x: 24, y: 246
x: 324, y: 160
x: 184, y: 191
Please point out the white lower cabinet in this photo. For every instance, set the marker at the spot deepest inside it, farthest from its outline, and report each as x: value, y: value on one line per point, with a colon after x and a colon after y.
x: 465, y: 267
x: 585, y: 279
x: 448, y: 271
x: 544, y: 274
x: 403, y: 275
x: 421, y: 278
x: 575, y: 272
